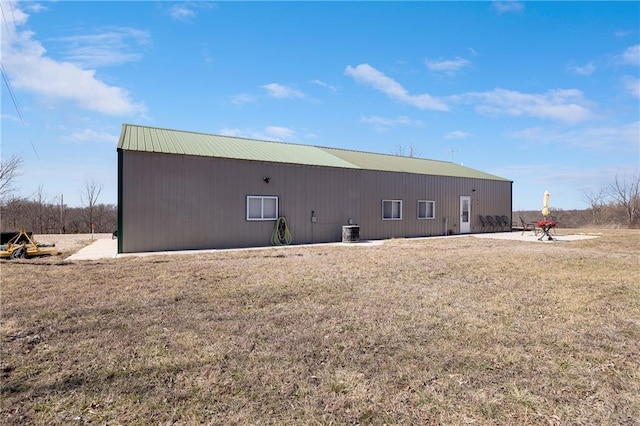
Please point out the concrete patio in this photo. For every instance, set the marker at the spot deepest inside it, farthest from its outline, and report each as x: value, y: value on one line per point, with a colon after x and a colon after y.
x: 107, y: 248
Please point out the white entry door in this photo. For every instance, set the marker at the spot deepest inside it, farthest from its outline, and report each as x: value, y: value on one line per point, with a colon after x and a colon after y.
x: 465, y: 214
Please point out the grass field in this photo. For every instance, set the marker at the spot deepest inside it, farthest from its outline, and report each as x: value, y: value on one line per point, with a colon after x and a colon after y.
x: 431, y: 331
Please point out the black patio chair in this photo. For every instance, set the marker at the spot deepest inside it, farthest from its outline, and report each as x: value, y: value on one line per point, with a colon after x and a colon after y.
x: 528, y: 226
x: 483, y: 222
x: 491, y: 221
x: 500, y: 223
x: 508, y: 222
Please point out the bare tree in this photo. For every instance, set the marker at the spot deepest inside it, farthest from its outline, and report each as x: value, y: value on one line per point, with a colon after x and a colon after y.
x: 40, y: 213
x: 62, y: 210
x: 14, y: 214
x: 42, y: 216
x: 596, y: 201
x: 89, y: 197
x: 402, y: 151
x: 626, y: 192
x: 9, y: 170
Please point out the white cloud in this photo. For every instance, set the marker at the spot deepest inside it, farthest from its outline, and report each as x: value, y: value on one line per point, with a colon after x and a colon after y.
x: 620, y: 138
x: 587, y: 69
x: 631, y: 56
x: 10, y: 117
x: 624, y: 33
x: 65, y: 81
x: 276, y: 90
x: 366, y: 74
x: 113, y: 46
x: 447, y: 66
x: 532, y: 133
x: 231, y: 131
x: 182, y: 12
x: 186, y: 11
x: 382, y: 124
x: 632, y: 85
x: 15, y: 17
x: 282, y: 133
x: 29, y: 68
x: 90, y: 135
x: 561, y: 180
x: 269, y: 133
x: 508, y: 6
x: 34, y: 7
x: 325, y: 85
x: 457, y: 134
x: 205, y: 52
x: 242, y: 99
x: 565, y: 182
x: 567, y: 105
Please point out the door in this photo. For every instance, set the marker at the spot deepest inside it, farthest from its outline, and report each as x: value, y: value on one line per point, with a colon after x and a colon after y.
x: 465, y: 214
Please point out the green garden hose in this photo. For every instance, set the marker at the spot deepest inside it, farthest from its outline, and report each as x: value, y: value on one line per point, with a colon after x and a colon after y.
x: 281, y: 235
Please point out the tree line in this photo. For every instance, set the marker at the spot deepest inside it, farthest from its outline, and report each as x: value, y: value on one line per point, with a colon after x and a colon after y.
x: 43, y: 215
x: 617, y: 203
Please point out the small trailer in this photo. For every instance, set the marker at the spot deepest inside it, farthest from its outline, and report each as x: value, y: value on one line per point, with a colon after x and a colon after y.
x: 22, y: 245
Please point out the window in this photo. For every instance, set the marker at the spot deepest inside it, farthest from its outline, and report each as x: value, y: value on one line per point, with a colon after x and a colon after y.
x: 262, y: 207
x: 392, y: 209
x: 426, y: 209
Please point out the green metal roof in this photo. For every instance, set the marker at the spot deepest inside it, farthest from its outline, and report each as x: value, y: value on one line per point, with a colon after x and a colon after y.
x: 152, y: 139
x: 395, y: 163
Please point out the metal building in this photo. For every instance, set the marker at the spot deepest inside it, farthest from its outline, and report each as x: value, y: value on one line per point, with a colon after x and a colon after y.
x: 182, y: 190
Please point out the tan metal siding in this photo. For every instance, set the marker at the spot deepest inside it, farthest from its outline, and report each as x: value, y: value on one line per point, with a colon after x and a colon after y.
x: 495, y: 196
x: 189, y: 202
x: 176, y: 202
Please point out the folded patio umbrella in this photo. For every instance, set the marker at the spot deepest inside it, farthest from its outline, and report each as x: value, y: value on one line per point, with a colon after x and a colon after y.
x: 545, y: 204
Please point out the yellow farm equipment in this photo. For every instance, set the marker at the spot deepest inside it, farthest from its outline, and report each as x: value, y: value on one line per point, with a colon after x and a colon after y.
x: 22, y: 245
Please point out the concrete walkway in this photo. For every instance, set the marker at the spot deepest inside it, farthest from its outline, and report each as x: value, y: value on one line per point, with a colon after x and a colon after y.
x: 100, y: 249
x: 108, y: 248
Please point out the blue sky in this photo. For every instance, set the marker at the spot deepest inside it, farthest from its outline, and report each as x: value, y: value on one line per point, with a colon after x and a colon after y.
x: 546, y: 94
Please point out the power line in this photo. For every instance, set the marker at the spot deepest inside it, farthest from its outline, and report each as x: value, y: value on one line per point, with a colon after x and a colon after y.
x: 19, y: 41
x: 4, y: 18
x: 5, y: 78
x: 13, y: 96
x: 17, y: 107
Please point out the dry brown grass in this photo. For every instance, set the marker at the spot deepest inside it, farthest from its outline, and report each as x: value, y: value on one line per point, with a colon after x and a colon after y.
x: 435, y: 331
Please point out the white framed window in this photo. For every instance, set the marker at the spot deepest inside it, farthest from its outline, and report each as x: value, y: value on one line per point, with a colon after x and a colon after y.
x: 391, y: 209
x: 426, y: 209
x: 262, y: 207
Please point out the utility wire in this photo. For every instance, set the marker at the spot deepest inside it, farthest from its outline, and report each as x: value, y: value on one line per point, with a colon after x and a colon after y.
x: 17, y: 107
x: 4, y: 18
x: 13, y: 96
x: 5, y: 78
x: 19, y: 42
